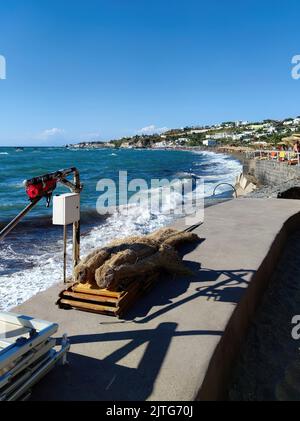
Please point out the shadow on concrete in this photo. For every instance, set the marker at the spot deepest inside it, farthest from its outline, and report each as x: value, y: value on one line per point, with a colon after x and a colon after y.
x: 166, y: 294
x: 109, y: 379
x: 88, y: 378
x: 169, y: 288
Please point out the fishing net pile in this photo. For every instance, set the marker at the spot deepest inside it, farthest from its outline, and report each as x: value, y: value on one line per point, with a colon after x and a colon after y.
x: 135, y: 258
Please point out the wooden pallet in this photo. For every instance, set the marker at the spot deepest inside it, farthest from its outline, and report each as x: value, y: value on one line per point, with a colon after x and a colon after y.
x: 103, y: 301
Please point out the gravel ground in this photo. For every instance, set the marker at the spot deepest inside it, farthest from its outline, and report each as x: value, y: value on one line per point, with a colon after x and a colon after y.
x: 269, y: 365
x: 272, y: 191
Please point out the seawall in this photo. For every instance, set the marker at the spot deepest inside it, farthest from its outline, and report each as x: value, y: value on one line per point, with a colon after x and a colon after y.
x: 270, y: 173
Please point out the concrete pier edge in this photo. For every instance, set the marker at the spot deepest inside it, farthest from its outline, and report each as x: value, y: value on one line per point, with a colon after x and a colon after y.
x: 215, y: 383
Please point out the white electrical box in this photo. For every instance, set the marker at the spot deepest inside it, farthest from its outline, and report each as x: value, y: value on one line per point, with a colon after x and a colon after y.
x: 66, y: 209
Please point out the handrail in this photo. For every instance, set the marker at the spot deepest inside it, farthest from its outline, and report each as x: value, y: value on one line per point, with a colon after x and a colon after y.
x: 228, y: 184
x: 273, y: 155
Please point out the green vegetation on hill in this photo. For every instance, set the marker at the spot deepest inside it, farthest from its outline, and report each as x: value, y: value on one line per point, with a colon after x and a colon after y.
x: 227, y: 133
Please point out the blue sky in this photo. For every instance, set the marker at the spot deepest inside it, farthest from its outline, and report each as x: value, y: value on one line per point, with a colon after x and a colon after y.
x: 80, y: 70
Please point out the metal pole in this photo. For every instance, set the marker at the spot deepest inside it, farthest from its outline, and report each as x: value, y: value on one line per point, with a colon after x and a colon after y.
x: 76, y: 243
x: 65, y: 254
x: 76, y: 227
x: 17, y: 219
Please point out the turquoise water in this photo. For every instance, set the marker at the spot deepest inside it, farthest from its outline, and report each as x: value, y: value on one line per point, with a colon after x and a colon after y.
x: 30, y: 256
x: 94, y: 165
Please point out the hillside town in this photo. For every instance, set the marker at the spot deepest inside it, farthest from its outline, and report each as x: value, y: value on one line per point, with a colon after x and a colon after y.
x: 264, y: 134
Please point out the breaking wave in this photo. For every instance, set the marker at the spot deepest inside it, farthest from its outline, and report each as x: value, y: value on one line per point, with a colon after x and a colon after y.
x: 31, y: 257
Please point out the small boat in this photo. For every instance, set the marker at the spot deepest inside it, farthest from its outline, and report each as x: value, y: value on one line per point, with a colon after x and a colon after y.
x: 26, y: 353
x: 19, y: 149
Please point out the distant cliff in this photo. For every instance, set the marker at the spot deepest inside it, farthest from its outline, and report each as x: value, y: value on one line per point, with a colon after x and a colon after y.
x: 91, y: 145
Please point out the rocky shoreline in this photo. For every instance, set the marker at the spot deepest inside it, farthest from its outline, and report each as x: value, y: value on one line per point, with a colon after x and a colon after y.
x: 259, y: 187
x: 266, y: 192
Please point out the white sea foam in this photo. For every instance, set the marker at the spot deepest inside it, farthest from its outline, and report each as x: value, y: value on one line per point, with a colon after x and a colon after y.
x: 46, y: 269
x: 225, y: 170
x: 17, y: 287
x: 3, y: 153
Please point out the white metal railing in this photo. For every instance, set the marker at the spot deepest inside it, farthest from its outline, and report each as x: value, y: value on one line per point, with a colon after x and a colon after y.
x: 272, y: 155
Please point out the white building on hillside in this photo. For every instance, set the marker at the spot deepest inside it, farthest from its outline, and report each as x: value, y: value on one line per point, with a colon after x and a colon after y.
x: 209, y: 142
x: 222, y: 135
x: 198, y: 131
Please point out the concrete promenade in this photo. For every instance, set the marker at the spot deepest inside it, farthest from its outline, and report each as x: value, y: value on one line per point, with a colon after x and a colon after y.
x: 180, y: 341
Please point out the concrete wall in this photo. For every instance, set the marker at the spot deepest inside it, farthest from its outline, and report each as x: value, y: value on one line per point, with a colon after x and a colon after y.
x: 271, y: 173
x: 218, y: 376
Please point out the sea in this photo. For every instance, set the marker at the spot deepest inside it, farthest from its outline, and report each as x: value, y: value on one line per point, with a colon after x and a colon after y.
x: 31, y: 256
